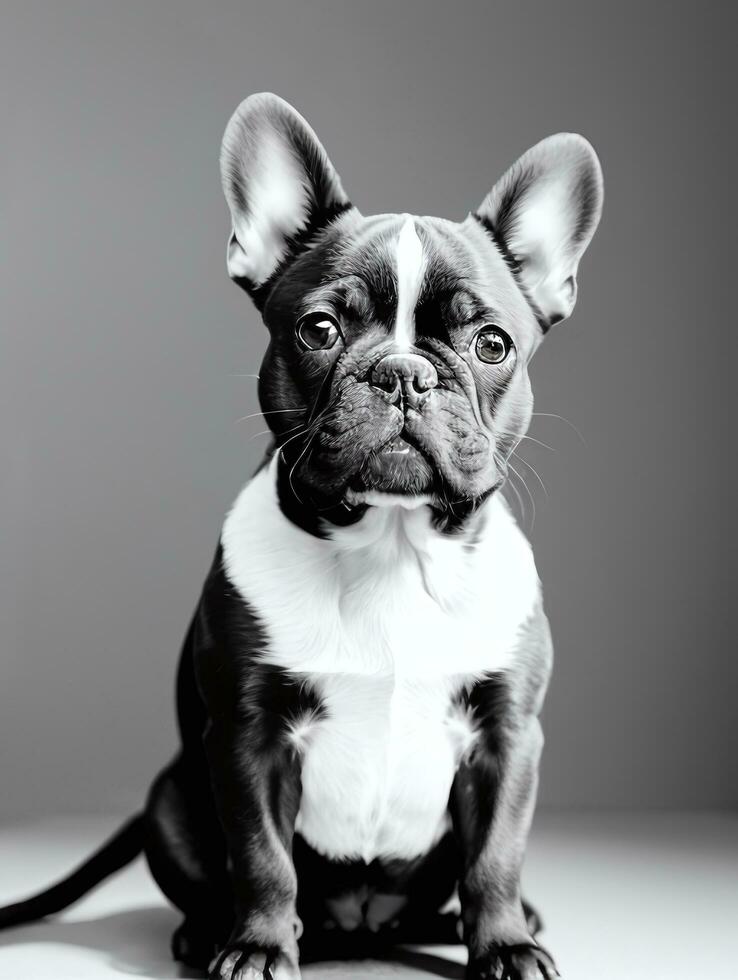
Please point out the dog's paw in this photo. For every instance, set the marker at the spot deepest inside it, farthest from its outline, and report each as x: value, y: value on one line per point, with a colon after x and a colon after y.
x: 248, y: 962
x: 524, y: 961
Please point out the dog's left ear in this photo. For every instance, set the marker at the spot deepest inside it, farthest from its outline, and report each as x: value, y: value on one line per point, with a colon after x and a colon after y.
x: 543, y: 213
x: 280, y: 187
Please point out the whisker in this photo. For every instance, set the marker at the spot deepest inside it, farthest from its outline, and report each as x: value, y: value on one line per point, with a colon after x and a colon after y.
x: 327, y: 374
x: 276, y: 411
x: 521, y: 505
x: 509, y: 483
x: 296, y: 463
x: 534, y: 471
x: 303, y: 431
x: 286, y: 432
x: 530, y: 495
x: 262, y: 433
x: 320, y: 418
x: 539, y: 443
x: 509, y: 432
x: 552, y: 415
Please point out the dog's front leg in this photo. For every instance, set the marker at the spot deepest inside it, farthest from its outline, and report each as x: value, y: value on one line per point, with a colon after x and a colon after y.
x: 257, y: 788
x: 493, y: 799
x: 492, y: 802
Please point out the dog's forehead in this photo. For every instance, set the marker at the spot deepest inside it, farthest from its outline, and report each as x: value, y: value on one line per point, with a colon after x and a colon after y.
x: 378, y: 260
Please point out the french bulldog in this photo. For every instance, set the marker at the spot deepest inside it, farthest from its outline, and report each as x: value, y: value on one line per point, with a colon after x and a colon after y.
x: 360, y: 685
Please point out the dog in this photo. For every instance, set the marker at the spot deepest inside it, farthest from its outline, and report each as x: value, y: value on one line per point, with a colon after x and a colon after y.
x: 359, y: 688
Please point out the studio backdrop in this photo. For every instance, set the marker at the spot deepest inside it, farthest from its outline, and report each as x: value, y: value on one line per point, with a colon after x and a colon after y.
x: 128, y: 359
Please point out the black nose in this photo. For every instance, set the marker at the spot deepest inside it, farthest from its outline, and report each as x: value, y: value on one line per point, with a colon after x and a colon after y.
x: 404, y: 376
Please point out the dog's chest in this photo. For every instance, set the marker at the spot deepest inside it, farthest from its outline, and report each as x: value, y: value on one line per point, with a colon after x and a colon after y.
x: 386, y: 622
x: 377, y: 765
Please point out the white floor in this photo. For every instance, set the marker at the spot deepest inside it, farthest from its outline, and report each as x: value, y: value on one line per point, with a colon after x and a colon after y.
x: 625, y: 897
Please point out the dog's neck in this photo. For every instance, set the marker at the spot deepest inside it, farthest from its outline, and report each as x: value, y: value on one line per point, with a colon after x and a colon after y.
x: 400, y: 524
x: 389, y: 592
x: 322, y: 517
x: 397, y: 538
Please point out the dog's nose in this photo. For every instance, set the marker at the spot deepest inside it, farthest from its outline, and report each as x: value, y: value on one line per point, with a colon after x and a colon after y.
x: 406, y: 376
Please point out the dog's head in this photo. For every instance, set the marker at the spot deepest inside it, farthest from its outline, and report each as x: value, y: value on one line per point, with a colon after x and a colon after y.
x: 397, y: 364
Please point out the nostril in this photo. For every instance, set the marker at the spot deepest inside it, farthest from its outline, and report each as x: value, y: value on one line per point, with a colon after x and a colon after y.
x: 411, y: 372
x: 385, y: 381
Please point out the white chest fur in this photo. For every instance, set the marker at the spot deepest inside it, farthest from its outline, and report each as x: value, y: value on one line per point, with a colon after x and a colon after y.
x: 386, y: 620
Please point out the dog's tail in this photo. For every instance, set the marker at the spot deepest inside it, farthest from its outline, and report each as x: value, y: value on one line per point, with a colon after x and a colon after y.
x: 125, y: 844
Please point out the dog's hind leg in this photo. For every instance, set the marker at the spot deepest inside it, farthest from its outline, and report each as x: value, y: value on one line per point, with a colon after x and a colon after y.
x: 186, y: 853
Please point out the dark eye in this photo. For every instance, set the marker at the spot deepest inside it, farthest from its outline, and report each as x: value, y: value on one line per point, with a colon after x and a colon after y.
x: 493, y: 345
x: 317, y: 331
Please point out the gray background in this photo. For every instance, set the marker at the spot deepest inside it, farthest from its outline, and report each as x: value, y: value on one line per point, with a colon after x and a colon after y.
x: 124, y: 348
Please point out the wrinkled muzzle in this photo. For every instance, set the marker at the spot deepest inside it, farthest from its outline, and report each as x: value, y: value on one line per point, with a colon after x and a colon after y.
x: 401, y: 422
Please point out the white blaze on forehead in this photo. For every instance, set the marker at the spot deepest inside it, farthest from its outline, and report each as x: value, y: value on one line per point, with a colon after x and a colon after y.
x: 410, y: 272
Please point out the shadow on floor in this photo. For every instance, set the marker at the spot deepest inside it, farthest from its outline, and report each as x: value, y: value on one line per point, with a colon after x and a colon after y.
x: 136, y: 943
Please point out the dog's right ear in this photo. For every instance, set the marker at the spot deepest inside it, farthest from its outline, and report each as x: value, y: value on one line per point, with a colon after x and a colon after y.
x: 543, y: 212
x: 280, y: 187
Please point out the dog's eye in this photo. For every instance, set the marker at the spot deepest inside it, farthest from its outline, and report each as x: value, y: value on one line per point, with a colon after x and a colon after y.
x: 317, y: 331
x: 493, y: 345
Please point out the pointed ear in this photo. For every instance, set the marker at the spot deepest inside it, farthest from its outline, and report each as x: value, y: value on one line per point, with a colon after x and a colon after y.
x: 280, y: 187
x: 543, y: 213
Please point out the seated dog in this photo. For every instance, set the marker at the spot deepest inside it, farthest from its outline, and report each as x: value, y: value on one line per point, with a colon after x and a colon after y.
x: 359, y: 688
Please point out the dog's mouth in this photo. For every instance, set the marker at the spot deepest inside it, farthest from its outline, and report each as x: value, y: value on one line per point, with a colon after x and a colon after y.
x: 397, y: 467
x: 397, y: 447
